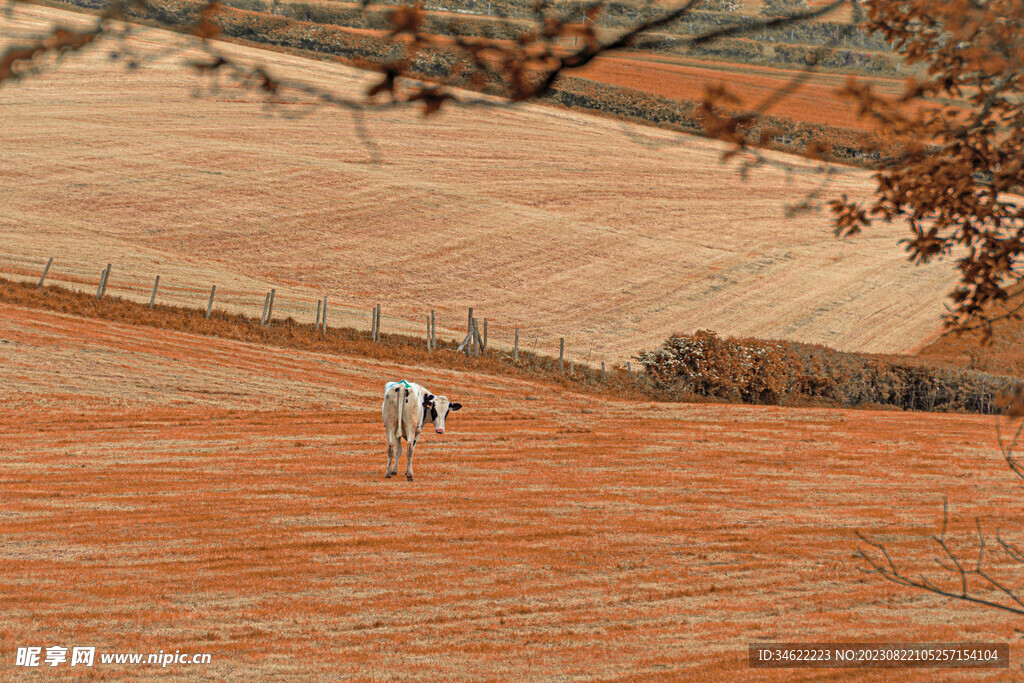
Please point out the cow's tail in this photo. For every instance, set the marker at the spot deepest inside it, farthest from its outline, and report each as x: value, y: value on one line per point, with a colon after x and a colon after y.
x: 402, y: 392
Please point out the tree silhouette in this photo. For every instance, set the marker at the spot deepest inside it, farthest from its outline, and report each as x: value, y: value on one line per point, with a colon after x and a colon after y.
x: 966, y: 580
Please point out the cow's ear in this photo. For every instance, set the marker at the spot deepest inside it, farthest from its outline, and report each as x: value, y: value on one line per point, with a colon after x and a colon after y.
x: 455, y: 406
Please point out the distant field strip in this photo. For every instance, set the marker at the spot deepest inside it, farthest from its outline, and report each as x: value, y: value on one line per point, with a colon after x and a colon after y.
x: 611, y: 235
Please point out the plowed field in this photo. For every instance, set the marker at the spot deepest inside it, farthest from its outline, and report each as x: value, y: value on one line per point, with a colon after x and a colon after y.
x: 815, y: 101
x: 163, y: 492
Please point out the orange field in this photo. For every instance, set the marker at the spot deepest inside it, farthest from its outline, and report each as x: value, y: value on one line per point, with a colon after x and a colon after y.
x: 162, y: 491
x: 609, y: 234
x: 815, y: 101
x: 171, y: 492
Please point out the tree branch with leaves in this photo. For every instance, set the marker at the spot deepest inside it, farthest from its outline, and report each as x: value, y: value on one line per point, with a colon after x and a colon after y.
x: 959, y: 131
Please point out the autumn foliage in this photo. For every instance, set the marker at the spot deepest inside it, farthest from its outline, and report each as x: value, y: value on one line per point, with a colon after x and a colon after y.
x: 957, y: 179
x: 783, y: 372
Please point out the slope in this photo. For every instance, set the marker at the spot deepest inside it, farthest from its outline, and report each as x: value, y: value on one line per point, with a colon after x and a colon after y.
x: 610, y: 235
x: 168, y: 492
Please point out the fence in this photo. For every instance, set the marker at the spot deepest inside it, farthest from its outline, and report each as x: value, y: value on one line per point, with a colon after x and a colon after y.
x: 478, y: 335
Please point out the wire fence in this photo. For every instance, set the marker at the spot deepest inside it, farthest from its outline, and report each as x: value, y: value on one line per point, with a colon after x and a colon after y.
x: 478, y: 335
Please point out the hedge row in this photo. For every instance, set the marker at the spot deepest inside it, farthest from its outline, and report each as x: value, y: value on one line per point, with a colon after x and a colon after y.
x: 795, y: 40
x: 784, y: 372
x: 622, y: 14
x: 328, y: 15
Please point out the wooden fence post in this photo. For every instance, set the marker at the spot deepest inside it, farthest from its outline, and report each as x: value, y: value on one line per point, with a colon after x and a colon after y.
x: 209, y: 306
x: 373, y: 323
x: 152, y: 297
x: 428, y: 334
x: 270, y: 308
x: 479, y: 341
x: 266, y: 302
x: 316, y: 325
x: 106, y: 279
x: 485, y: 336
x: 515, y: 349
x: 561, y: 353
x: 433, y: 330
x: 572, y: 368
x: 102, y: 287
x: 45, y: 271
x: 323, y: 318
x: 629, y: 369
x: 602, y: 369
x: 379, y: 320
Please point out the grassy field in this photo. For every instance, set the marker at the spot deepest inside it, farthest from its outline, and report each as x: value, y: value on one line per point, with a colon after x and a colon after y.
x: 173, y: 492
x: 611, y: 235
x: 166, y: 491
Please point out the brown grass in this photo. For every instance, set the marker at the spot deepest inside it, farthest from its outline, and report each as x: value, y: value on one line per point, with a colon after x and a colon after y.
x: 163, y: 490
x: 611, y: 235
x: 289, y: 333
x: 167, y: 491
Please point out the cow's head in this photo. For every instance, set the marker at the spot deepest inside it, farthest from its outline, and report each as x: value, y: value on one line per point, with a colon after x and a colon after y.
x: 438, y: 408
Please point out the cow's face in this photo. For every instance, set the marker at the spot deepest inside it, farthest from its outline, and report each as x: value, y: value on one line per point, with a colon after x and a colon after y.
x: 439, y: 410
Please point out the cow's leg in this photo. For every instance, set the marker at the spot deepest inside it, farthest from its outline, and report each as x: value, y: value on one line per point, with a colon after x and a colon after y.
x: 392, y: 450
x: 408, y: 460
x: 412, y: 439
x: 393, y: 464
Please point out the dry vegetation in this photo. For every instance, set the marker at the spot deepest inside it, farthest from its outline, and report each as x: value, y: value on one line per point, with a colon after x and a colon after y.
x: 165, y: 490
x: 619, y: 381
x: 216, y: 496
x: 698, y: 367
x: 609, y: 234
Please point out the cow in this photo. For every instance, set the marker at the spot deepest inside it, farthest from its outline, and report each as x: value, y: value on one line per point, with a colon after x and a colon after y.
x: 407, y: 407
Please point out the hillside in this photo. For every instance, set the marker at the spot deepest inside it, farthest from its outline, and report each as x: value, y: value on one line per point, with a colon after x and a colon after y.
x: 173, y: 483
x: 609, y: 234
x: 991, y: 349
x: 220, y: 497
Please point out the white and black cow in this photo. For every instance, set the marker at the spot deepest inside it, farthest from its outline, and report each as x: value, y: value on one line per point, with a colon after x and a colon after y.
x: 407, y: 407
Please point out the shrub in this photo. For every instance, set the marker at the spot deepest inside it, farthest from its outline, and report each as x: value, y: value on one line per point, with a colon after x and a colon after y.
x: 776, y: 372
x: 783, y: 8
x: 721, y: 5
x: 749, y: 370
